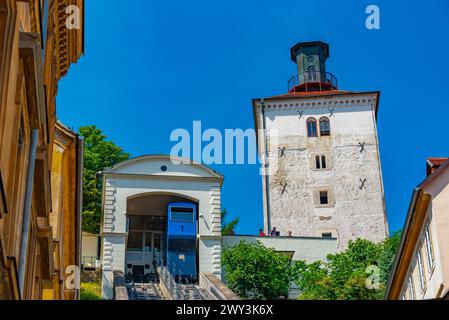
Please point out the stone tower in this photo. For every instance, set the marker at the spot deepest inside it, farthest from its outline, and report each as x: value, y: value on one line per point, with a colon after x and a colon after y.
x: 322, y: 176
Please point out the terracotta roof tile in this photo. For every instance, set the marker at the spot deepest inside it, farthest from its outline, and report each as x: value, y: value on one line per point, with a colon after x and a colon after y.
x: 436, y: 161
x: 434, y: 172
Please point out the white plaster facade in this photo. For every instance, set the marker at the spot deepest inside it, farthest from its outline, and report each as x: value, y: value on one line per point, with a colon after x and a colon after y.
x: 144, y: 176
x: 354, y: 211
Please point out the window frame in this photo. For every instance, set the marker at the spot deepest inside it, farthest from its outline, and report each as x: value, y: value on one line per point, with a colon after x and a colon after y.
x: 321, y: 197
x: 421, y: 270
x: 323, y: 162
x: 326, y: 235
x: 327, y: 132
x: 313, y: 121
x: 430, y: 254
x: 411, y: 287
x: 142, y: 241
x: 317, y: 162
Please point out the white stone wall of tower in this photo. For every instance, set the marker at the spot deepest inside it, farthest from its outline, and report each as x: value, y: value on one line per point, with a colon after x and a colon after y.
x: 358, y: 212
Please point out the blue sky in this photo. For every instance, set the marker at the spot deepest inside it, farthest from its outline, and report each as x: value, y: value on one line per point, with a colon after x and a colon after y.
x: 151, y: 66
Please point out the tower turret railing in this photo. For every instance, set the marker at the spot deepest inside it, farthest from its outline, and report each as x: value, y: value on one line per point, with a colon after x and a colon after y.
x: 312, y: 81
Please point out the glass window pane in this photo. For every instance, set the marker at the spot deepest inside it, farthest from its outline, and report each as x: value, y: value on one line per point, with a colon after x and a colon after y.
x: 422, y: 280
x: 325, y: 128
x: 182, y: 245
x: 182, y: 216
x: 311, y: 128
x: 135, y: 241
x: 323, y: 197
x: 136, y: 223
x: 411, y: 288
x: 148, y: 239
x: 429, y: 248
x: 157, y: 242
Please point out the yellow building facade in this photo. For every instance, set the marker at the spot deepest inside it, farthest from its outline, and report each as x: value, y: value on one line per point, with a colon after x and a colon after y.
x: 421, y: 268
x: 40, y: 158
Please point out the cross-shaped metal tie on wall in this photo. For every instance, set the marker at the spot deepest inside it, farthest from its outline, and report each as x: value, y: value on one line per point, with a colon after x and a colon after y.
x: 331, y: 112
x: 282, y: 151
x: 362, y: 186
x: 284, y: 187
x: 362, y: 146
x: 301, y: 113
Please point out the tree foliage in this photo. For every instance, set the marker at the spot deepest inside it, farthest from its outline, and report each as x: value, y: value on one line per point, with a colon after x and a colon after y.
x: 228, y: 228
x: 98, y: 155
x: 359, y: 273
x: 390, y: 247
x: 256, y: 272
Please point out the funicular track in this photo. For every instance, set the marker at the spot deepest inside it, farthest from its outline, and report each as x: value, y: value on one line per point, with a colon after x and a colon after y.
x: 179, y: 290
x: 148, y: 288
x: 143, y: 291
x: 144, y: 288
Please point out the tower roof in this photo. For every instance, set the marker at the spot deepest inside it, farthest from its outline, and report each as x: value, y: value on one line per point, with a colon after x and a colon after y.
x: 300, y: 45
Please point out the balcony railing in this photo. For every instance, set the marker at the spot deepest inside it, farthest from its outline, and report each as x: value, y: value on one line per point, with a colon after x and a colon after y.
x: 312, y: 81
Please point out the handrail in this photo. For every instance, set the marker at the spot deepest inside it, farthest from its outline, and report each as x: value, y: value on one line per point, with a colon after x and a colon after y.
x: 327, y: 79
x: 178, y: 291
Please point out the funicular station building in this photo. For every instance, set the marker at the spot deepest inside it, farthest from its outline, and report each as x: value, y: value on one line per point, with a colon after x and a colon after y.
x: 137, y: 195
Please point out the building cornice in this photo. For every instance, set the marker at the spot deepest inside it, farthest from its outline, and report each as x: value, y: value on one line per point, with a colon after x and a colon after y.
x: 69, y: 45
x: 318, y: 102
x: 140, y: 176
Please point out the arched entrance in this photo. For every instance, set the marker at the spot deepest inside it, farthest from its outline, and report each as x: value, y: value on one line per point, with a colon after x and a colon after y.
x: 146, y: 240
x: 135, y: 199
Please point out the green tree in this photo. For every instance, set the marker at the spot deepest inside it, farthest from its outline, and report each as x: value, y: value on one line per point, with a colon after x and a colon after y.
x: 228, y: 228
x: 256, y: 272
x: 98, y: 155
x: 390, y: 248
x: 358, y: 273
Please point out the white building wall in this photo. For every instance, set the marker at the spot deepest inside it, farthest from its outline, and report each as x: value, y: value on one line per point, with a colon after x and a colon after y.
x: 113, y: 259
x: 354, y: 212
x: 210, y: 255
x: 306, y: 249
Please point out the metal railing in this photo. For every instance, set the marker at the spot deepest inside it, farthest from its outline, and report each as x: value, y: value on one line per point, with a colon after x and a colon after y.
x: 324, y: 80
x: 89, y: 262
x: 178, y: 291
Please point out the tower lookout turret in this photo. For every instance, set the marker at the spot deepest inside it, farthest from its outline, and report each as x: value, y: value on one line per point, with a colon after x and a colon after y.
x: 310, y: 57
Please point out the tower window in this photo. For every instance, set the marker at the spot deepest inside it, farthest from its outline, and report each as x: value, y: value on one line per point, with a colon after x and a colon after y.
x: 312, y: 127
x: 320, y: 162
x: 323, y: 197
x: 325, y: 128
x: 311, y: 73
x: 326, y: 235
